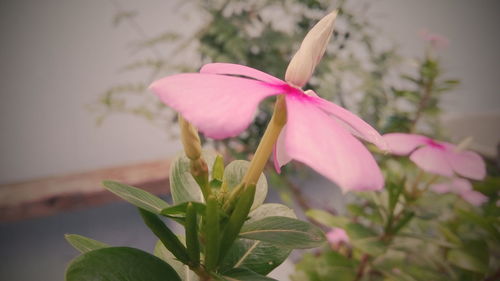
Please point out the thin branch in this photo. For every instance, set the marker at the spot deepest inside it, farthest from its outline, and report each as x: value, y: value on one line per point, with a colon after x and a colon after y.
x: 137, y: 28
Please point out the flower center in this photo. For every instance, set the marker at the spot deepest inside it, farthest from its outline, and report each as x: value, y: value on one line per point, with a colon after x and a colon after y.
x: 435, y: 144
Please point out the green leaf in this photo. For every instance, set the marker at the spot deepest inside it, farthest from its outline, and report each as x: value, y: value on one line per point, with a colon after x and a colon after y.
x: 218, y: 169
x: 233, y: 174
x: 472, y: 256
x: 327, y: 218
x: 119, y: 264
x: 243, y: 274
x: 166, y: 236
x: 183, y: 270
x: 180, y: 209
x: 84, y: 244
x: 136, y: 196
x: 182, y: 184
x: 284, y: 232
x: 260, y: 257
x: 324, y: 267
x: 271, y: 210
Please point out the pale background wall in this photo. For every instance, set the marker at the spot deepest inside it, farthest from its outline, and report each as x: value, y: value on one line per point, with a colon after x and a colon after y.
x: 58, y: 55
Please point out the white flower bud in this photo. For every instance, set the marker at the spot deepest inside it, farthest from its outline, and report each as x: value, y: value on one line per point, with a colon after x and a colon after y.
x: 311, y: 50
x: 190, y: 139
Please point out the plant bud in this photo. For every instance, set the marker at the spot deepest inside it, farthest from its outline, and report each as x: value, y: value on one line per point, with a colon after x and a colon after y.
x: 311, y: 50
x: 190, y: 139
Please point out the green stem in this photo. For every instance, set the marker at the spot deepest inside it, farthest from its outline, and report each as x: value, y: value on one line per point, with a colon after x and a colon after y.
x: 258, y: 163
x: 192, y: 242
x: 212, y: 234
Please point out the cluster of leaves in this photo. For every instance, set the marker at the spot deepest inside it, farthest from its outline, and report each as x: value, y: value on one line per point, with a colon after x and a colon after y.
x: 242, y: 241
x: 418, y: 104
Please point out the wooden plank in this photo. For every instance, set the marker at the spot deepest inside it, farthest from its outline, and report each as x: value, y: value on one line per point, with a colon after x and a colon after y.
x: 51, y: 195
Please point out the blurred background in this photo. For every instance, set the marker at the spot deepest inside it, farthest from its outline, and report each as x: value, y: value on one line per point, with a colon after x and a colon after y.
x: 75, y: 108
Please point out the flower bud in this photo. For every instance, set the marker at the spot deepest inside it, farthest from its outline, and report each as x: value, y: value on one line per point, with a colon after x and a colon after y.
x: 311, y: 50
x: 190, y: 139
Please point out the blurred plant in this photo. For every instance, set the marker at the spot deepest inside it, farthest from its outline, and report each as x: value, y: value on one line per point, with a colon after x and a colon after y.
x: 413, y: 230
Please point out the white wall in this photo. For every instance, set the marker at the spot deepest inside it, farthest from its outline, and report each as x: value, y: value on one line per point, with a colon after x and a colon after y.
x: 58, y: 55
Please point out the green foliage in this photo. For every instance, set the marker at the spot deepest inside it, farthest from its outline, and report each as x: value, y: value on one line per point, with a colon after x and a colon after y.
x: 136, y: 196
x: 215, y: 246
x: 473, y: 256
x: 182, y: 270
x: 285, y: 232
x: 84, y: 244
x: 327, y: 266
x: 244, y: 274
x: 233, y: 174
x: 260, y: 257
x: 119, y: 264
x: 183, y: 186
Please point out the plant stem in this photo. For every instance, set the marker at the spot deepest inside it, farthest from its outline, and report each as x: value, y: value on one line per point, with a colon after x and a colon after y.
x: 361, y: 268
x: 427, y: 91
x: 202, y: 273
x: 258, y: 163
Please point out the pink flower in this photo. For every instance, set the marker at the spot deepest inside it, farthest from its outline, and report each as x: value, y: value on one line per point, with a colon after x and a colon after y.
x: 437, y: 157
x: 437, y: 41
x: 336, y: 236
x: 463, y: 188
x: 222, y: 99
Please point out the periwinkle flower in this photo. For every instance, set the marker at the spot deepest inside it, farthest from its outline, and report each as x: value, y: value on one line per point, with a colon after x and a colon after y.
x: 463, y: 188
x: 221, y: 101
x: 337, y: 236
x: 437, y: 157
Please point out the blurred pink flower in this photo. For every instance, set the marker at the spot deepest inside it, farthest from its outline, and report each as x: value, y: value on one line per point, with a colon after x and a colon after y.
x: 336, y: 236
x: 221, y: 102
x: 437, y: 41
x: 441, y: 158
x: 463, y: 188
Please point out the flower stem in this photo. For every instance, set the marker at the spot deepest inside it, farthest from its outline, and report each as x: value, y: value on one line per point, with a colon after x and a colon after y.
x: 258, y: 163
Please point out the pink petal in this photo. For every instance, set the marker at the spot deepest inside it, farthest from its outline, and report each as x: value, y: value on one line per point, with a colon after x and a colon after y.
x: 281, y: 157
x: 337, y: 235
x: 219, y: 106
x: 474, y: 198
x: 441, y: 187
x: 467, y: 163
x: 459, y: 185
x: 237, y: 69
x: 432, y: 160
x: 403, y: 144
x: 313, y: 138
x: 356, y: 125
